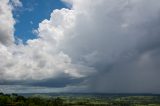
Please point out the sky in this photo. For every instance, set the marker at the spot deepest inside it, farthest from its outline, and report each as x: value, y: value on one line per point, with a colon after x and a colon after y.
x: 31, y: 14
x: 105, y: 46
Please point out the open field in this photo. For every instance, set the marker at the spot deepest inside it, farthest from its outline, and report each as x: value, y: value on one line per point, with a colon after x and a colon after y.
x: 79, y: 100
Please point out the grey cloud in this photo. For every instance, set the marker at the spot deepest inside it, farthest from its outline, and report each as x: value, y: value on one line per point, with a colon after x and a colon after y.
x: 139, y: 75
x: 59, y: 82
x: 119, y: 34
x: 62, y: 81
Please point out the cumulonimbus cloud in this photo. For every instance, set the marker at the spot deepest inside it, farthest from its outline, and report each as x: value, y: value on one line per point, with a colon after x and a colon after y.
x: 109, y: 43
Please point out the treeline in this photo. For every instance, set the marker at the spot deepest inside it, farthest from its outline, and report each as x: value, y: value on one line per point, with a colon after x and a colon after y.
x: 17, y: 100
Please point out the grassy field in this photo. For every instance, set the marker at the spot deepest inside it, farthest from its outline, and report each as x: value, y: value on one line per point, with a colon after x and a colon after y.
x: 78, y: 100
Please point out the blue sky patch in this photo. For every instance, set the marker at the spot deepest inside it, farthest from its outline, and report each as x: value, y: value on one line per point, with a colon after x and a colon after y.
x: 31, y: 14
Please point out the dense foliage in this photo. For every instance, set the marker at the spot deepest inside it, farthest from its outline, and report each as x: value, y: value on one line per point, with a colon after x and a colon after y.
x: 17, y: 100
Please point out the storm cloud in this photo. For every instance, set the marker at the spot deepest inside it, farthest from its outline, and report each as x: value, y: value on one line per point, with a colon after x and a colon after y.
x: 105, y: 45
